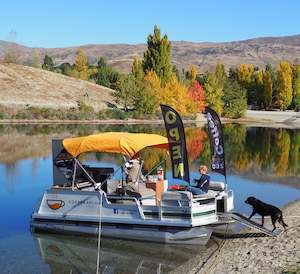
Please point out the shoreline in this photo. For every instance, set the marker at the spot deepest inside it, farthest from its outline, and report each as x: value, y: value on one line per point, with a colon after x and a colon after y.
x: 280, y: 119
x: 257, y: 254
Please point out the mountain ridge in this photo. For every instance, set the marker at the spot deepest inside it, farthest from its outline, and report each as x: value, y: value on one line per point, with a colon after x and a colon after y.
x: 205, y: 55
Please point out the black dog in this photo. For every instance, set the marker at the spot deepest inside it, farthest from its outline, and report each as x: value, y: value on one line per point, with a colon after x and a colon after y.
x: 264, y: 209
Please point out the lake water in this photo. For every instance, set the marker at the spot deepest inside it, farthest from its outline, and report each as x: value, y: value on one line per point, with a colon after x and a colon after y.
x: 261, y: 162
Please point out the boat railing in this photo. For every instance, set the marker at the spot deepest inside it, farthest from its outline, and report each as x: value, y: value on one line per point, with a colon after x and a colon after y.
x: 128, y: 198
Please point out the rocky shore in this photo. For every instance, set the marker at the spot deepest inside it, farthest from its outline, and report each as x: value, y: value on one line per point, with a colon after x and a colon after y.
x: 265, y: 255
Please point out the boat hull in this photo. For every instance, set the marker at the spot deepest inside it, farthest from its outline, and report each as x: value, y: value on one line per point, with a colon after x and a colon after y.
x: 170, y: 235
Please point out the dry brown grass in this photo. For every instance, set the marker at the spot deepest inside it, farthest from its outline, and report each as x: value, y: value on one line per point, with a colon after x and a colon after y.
x: 21, y: 86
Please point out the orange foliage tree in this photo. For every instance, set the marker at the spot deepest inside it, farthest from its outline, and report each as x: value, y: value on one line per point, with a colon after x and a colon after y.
x: 197, y: 95
x: 195, y: 138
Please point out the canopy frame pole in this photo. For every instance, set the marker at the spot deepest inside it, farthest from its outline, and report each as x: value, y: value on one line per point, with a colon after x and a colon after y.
x: 83, y: 169
x: 157, y: 165
x: 74, y: 174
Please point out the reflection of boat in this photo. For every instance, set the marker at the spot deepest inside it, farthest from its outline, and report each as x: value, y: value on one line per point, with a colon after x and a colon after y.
x: 72, y: 204
x: 63, y: 254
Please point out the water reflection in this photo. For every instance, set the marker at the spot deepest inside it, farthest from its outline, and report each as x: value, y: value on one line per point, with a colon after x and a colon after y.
x: 63, y: 254
x: 265, y: 153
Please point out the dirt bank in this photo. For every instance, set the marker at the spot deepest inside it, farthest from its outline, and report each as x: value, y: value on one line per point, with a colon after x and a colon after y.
x: 259, y: 255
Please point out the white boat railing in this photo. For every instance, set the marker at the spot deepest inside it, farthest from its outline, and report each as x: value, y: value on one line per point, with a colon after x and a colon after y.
x: 122, y: 198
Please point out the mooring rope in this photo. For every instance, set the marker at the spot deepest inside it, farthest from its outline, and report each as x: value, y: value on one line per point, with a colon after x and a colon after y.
x: 218, y: 249
x: 99, y: 234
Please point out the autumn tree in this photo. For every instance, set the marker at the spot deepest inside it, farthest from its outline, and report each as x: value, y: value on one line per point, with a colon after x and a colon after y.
x: 284, y: 85
x: 197, y: 95
x: 214, y: 93
x: 246, y: 78
x: 157, y: 57
x: 296, y: 87
x: 81, y: 66
x: 259, y: 88
x: 268, y: 90
x: 191, y: 74
x: 174, y: 94
x: 48, y: 63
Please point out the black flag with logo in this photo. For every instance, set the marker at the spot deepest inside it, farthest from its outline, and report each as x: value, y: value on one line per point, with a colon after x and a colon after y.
x: 177, y: 144
x: 216, y: 141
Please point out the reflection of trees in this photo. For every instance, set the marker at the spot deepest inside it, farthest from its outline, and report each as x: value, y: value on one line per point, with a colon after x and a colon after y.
x: 258, y: 147
x: 195, y: 138
x: 293, y: 167
x: 153, y: 156
x: 235, y: 147
x: 254, y: 150
x: 281, y: 150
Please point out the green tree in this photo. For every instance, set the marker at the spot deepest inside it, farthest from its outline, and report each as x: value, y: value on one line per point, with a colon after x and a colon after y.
x: 232, y: 74
x: 221, y: 74
x: 106, y: 75
x: 48, y: 63
x: 64, y: 68
x: 146, y: 100
x: 235, y: 100
x: 284, y: 85
x: 126, y: 90
x: 296, y: 88
x: 137, y: 69
x: 157, y: 57
x: 214, y: 93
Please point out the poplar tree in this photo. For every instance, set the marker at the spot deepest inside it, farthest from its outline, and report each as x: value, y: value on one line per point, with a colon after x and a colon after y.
x: 214, y: 93
x: 81, y: 66
x: 259, y: 88
x: 268, y: 89
x: 246, y: 78
x: 296, y: 87
x: 157, y: 57
x: 284, y: 85
x: 191, y: 74
x: 221, y: 74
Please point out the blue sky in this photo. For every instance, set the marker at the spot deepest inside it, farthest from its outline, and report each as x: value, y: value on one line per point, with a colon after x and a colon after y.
x: 61, y: 23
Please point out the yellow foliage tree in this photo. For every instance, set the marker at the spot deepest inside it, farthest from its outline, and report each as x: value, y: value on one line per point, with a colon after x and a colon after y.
x: 245, y: 74
x: 81, y: 66
x: 194, y: 73
x: 284, y: 90
x: 175, y: 95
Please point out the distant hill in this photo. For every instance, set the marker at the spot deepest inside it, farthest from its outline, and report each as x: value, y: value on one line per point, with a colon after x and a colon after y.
x: 258, y: 51
x: 21, y: 85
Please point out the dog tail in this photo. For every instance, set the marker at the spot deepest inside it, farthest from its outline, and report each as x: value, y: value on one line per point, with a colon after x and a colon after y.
x: 282, y: 222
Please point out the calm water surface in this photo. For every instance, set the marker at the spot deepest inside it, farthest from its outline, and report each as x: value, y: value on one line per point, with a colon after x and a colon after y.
x: 260, y: 162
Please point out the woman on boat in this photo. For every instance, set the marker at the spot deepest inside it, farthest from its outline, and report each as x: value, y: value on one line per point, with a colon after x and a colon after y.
x: 202, y: 183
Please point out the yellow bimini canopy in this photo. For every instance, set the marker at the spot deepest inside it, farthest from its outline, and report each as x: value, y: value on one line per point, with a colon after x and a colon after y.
x: 114, y: 142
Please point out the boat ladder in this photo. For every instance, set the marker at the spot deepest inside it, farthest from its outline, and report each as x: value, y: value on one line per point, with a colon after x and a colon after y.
x: 245, y: 221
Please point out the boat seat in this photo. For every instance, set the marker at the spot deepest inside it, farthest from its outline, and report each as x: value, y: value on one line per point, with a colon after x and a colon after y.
x: 216, y: 186
x: 176, y: 198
